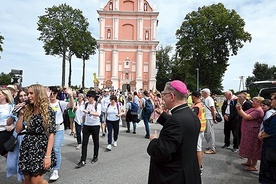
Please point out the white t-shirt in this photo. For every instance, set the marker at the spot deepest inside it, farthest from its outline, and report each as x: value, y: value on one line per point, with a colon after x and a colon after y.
x: 91, y: 120
x: 104, y: 102
x: 136, y: 99
x: 112, y: 112
x: 209, y: 102
x: 79, y: 112
x: 5, y: 112
x: 59, y: 107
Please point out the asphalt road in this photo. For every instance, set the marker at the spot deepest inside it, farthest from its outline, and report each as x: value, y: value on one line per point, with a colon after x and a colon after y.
x: 128, y: 163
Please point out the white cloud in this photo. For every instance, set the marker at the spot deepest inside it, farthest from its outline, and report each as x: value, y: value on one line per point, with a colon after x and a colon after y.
x: 22, y: 50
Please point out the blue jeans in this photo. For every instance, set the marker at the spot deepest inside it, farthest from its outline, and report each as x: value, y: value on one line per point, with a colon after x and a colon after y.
x: 146, y: 122
x: 134, y: 126
x: 59, y: 136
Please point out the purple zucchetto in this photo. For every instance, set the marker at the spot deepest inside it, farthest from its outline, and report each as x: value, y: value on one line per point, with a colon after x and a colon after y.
x: 179, y: 86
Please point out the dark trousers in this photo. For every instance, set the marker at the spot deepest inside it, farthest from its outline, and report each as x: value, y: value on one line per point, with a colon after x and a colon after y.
x: 4, y: 137
x: 78, y: 132
x: 87, y: 131
x: 231, y: 126
x: 112, y: 125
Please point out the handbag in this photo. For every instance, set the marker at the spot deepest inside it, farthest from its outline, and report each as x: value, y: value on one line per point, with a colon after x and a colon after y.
x: 218, y: 116
x: 10, y: 144
x: 271, y: 155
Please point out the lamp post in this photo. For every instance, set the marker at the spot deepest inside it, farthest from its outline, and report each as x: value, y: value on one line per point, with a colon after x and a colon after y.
x: 197, y: 79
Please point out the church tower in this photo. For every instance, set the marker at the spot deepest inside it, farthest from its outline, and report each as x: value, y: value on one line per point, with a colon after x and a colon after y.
x: 127, y: 45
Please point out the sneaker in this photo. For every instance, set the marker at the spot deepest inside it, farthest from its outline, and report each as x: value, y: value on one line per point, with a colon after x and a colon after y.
x: 78, y: 147
x: 225, y: 146
x: 115, y: 144
x: 54, y: 176
x: 127, y: 131
x: 210, y: 151
x: 235, y: 150
x: 80, y: 164
x: 108, y: 148
x: 201, y: 168
x: 94, y: 160
x: 134, y: 132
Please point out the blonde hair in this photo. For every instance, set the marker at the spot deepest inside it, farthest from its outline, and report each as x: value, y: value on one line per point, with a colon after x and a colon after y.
x: 8, y: 95
x: 42, y: 103
x: 258, y: 99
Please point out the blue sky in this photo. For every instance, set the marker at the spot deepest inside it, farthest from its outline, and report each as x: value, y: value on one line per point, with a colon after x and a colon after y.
x: 22, y: 50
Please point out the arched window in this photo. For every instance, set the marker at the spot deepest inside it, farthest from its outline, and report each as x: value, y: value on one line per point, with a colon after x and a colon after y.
x: 110, y: 6
x: 108, y: 34
x: 147, y: 35
x: 145, y: 7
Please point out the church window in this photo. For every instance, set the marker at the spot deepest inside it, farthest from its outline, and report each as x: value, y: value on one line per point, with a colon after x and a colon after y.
x: 108, y: 34
x: 147, y: 35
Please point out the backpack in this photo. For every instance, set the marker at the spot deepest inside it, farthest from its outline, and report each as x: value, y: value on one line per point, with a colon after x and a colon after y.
x: 134, y: 108
x: 65, y: 115
x: 86, y: 104
x: 148, y: 109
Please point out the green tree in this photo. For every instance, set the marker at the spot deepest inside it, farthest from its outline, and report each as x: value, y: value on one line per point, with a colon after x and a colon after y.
x: 1, y: 43
x: 207, y: 38
x: 5, y: 79
x: 84, y: 47
x: 59, y: 28
x: 261, y: 72
x: 163, y: 64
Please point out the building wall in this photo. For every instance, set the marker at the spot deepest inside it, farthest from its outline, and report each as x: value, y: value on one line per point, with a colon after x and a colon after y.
x: 127, y: 44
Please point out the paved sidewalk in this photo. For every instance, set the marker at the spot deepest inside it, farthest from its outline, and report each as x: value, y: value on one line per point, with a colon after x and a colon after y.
x: 129, y: 162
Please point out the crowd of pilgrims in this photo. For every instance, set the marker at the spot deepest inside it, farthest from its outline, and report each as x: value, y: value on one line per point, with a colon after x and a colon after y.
x: 99, y: 112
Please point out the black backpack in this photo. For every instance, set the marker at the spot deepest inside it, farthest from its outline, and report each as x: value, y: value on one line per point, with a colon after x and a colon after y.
x: 86, y: 104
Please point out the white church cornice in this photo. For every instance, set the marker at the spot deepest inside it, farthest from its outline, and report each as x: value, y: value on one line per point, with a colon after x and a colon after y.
x: 127, y: 13
x: 127, y: 42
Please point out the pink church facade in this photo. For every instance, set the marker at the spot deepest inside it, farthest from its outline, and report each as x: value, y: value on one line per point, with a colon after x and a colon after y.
x: 127, y: 45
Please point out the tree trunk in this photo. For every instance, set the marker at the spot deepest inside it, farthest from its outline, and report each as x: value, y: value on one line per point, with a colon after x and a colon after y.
x: 70, y: 70
x: 63, y: 67
x: 83, y: 72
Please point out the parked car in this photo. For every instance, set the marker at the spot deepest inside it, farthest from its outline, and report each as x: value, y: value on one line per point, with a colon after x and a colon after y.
x: 266, y: 88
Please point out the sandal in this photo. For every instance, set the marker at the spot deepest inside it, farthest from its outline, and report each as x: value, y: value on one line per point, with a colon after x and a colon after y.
x: 245, y: 164
x: 251, y: 169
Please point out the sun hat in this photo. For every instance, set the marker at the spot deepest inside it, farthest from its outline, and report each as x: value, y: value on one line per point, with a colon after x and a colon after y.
x: 206, y: 90
x: 91, y: 93
x: 10, y: 87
